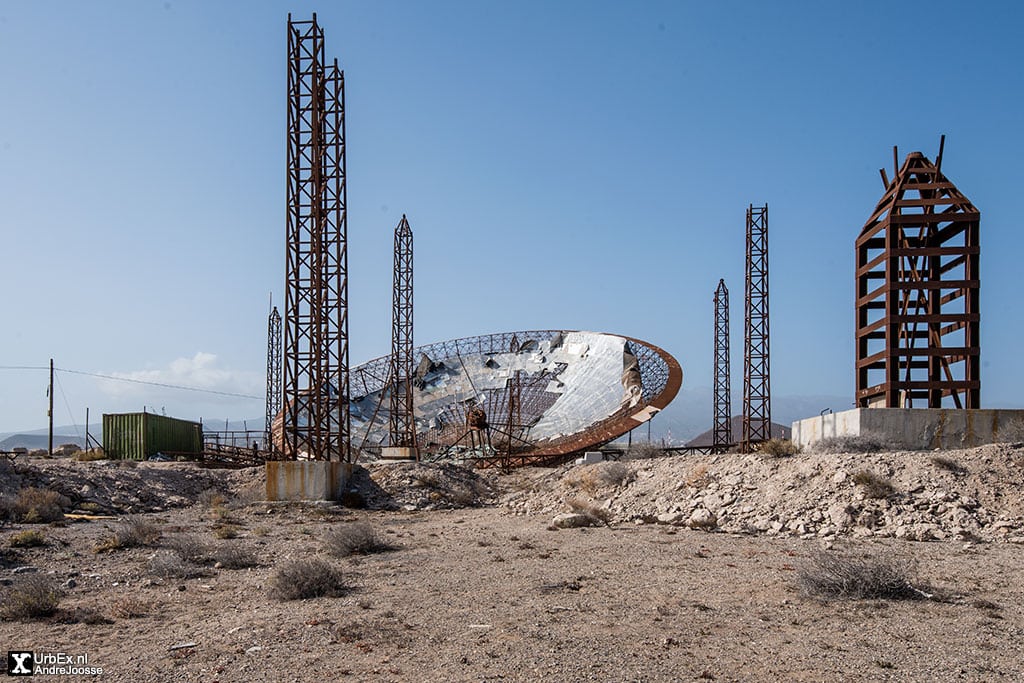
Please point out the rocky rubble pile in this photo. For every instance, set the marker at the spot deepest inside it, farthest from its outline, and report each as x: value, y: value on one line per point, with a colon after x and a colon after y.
x: 115, y: 487
x: 974, y: 495
x: 420, y: 486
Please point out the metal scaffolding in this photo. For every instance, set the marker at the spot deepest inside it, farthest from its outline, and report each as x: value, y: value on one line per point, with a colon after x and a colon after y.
x: 917, y: 293
x: 402, y: 421
x: 722, y: 431
x: 273, y: 375
x: 316, y: 372
x: 757, y: 404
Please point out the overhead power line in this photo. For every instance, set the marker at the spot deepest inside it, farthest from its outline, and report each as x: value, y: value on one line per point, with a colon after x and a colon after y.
x: 161, y: 384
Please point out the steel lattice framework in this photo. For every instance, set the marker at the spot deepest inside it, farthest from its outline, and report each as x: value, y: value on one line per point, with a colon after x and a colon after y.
x: 402, y: 423
x: 316, y: 373
x: 917, y: 293
x: 722, y: 429
x: 757, y: 404
x: 273, y: 373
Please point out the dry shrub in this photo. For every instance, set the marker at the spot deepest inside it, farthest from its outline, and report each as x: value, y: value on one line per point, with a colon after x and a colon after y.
x: 948, y: 464
x: 226, y: 531
x: 133, y: 533
x: 29, y: 538
x: 643, y: 451
x: 170, y: 565
x: 30, y: 596
x: 593, y: 512
x: 38, y: 506
x: 190, y: 548
x: 90, y: 455
x: 129, y: 608
x: 211, y: 498
x: 234, y: 557
x: 302, y: 579
x: 875, y: 485
x: 698, y: 477
x: 600, y: 475
x: 778, y: 448
x: 863, y: 443
x: 832, y: 576
x: 358, y: 538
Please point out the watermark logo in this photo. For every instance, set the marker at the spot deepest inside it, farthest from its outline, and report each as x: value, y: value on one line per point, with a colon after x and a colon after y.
x: 20, y: 663
x: 28, y: 663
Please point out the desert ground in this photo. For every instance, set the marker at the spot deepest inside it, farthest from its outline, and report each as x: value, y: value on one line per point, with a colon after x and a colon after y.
x: 681, y: 568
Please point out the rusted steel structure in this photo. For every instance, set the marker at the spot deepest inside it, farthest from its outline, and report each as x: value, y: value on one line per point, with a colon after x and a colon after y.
x: 917, y: 293
x: 498, y: 425
x: 722, y: 429
x: 273, y: 373
x: 316, y: 373
x: 402, y: 424
x: 757, y: 399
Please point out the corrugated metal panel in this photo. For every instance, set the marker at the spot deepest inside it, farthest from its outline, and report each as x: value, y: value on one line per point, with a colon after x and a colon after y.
x: 136, y: 436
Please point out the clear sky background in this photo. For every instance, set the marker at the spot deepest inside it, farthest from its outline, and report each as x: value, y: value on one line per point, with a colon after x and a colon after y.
x: 577, y: 165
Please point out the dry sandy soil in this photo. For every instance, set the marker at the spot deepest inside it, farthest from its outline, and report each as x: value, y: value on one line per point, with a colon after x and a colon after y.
x: 481, y: 587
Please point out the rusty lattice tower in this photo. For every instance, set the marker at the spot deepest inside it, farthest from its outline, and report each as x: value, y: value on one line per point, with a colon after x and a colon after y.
x: 722, y: 431
x: 316, y: 373
x: 757, y: 400
x: 402, y: 421
x: 273, y: 374
x: 917, y: 293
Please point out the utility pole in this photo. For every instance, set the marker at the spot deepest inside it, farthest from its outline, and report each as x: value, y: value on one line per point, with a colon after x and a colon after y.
x: 49, y: 413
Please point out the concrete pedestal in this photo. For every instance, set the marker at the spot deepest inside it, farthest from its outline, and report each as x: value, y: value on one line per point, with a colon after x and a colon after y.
x: 915, y: 428
x: 306, y: 479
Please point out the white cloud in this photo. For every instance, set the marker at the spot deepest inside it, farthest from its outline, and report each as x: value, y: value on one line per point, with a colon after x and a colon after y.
x: 201, y: 371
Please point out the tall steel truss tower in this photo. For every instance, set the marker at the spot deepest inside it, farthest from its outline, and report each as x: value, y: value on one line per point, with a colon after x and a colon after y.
x: 316, y: 370
x: 722, y: 431
x: 402, y: 421
x: 917, y: 293
x: 757, y: 402
x: 273, y: 375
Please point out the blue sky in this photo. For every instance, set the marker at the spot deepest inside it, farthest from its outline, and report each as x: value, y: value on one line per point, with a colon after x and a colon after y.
x: 583, y: 165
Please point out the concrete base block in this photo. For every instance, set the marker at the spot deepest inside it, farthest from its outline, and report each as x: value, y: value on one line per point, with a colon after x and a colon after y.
x: 913, y: 428
x: 306, y: 479
x: 398, y: 453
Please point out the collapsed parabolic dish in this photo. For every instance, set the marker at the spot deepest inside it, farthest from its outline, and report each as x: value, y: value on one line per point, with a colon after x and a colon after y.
x: 518, y: 397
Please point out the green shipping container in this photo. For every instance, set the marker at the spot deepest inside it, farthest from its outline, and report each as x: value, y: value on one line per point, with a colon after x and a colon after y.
x: 137, y: 436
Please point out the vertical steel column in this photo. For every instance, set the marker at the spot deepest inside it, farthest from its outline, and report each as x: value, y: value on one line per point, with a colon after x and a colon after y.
x: 315, y: 387
x: 273, y: 377
x: 757, y: 410
x: 722, y: 430
x: 334, y: 367
x: 402, y: 421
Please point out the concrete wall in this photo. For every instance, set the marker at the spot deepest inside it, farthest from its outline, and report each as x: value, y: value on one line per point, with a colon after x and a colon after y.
x: 306, y: 479
x: 915, y: 428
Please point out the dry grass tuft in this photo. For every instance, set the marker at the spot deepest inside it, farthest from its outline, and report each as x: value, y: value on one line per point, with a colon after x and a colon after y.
x: 30, y: 538
x: 598, y: 476
x: 875, y: 485
x: 234, y: 557
x: 129, y: 608
x: 302, y: 579
x: 948, y: 464
x: 37, y: 506
x: 30, y: 596
x: 133, y: 533
x: 90, y: 455
x: 832, y: 576
x: 778, y: 448
x: 595, y: 513
x: 170, y: 565
x: 358, y: 538
x: 864, y: 443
